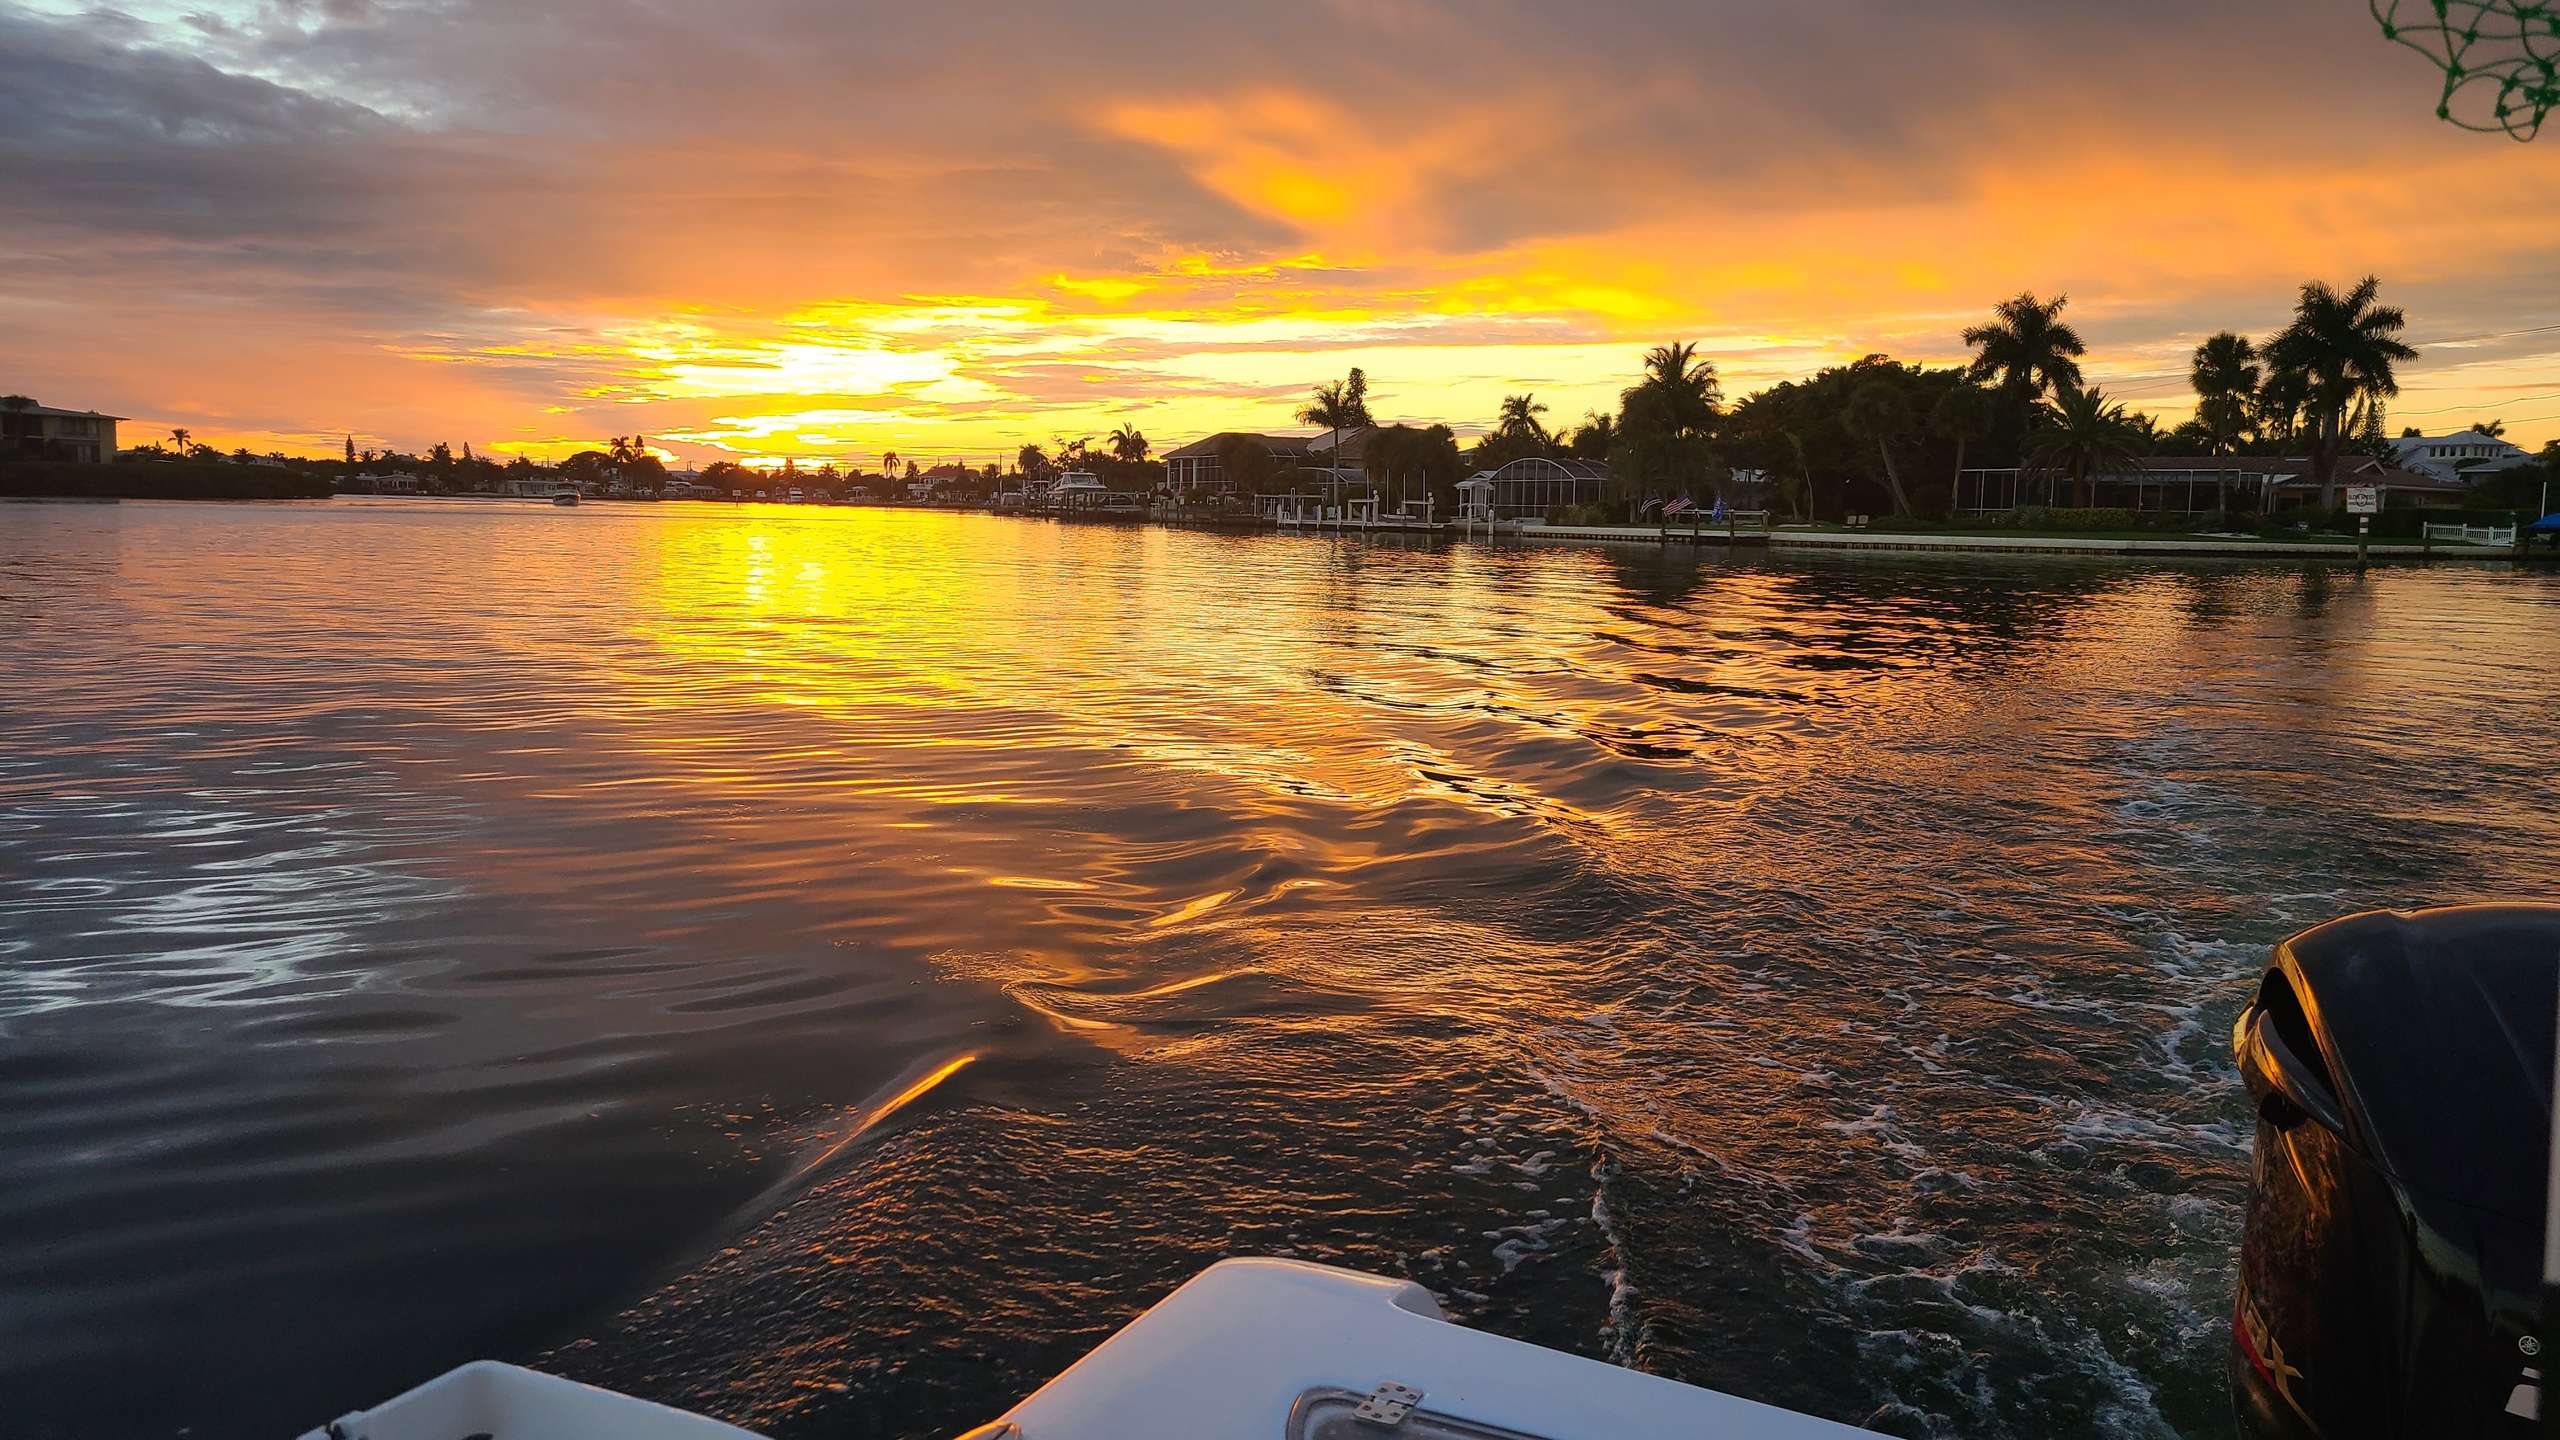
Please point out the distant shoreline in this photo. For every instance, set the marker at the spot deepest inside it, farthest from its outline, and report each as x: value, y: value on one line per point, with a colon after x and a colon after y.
x: 2323, y: 549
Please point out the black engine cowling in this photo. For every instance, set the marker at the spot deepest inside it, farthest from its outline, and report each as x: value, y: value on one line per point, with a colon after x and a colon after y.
x: 2390, y: 1272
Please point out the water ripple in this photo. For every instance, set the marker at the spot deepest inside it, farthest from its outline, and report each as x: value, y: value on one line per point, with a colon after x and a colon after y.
x: 828, y: 968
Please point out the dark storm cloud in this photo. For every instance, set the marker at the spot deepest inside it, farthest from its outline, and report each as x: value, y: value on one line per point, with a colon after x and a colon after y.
x: 100, y: 134
x: 907, y: 117
x: 90, y: 86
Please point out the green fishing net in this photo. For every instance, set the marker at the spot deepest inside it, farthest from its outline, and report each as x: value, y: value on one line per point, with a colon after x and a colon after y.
x: 2501, y: 58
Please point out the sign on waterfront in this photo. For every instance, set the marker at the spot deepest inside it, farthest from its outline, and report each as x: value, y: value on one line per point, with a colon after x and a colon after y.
x: 2364, y: 499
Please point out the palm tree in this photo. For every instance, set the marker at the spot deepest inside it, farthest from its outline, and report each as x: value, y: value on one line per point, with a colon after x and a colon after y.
x: 1338, y: 406
x: 1519, y: 418
x: 1678, y: 395
x: 1598, y: 435
x: 2028, y: 348
x: 2082, y: 434
x: 1127, y: 444
x: 2276, y: 413
x: 2343, y: 347
x: 1877, y: 411
x: 182, y: 437
x: 1962, y: 414
x: 2225, y: 376
x: 889, y: 463
x: 1676, y: 366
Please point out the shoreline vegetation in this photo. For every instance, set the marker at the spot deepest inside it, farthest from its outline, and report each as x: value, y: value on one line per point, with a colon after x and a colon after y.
x: 1883, y: 442
x: 167, y: 480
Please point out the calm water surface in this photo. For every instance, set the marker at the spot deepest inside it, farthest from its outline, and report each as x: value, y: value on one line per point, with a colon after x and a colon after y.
x: 828, y: 969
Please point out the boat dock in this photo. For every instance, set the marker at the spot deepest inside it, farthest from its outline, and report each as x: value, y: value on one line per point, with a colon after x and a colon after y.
x: 1751, y: 532
x: 1806, y: 538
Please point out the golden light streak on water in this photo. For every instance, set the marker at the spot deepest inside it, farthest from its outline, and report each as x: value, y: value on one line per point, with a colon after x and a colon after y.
x: 420, y: 923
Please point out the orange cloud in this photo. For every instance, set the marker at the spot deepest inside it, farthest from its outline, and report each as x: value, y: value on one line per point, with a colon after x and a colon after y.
x: 534, y: 250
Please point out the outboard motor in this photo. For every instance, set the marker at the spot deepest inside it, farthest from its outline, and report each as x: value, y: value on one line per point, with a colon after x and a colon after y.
x: 2391, y: 1270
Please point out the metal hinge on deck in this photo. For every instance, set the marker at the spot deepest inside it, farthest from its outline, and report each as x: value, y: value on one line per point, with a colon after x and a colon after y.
x: 1388, y: 1404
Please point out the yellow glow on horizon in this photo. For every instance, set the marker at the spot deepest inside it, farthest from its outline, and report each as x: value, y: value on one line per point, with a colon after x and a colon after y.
x: 2158, y: 241
x: 1101, y: 289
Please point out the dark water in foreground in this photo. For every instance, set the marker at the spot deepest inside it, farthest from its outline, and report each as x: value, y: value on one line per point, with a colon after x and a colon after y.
x: 432, y: 932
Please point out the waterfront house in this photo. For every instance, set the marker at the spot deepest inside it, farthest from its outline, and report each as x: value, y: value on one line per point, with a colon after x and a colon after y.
x: 2196, y: 485
x: 2400, y: 488
x: 2465, y: 455
x: 1196, y: 466
x: 1345, y: 454
x: 43, y: 432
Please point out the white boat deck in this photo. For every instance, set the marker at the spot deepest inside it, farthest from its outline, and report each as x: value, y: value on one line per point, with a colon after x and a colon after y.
x: 1249, y: 1350
x: 1230, y: 1355
x: 505, y: 1402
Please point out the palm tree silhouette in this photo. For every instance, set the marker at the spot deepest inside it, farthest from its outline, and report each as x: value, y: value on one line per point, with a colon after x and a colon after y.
x: 1678, y: 395
x: 1597, y: 436
x: 2225, y: 376
x: 1338, y: 406
x: 1519, y: 417
x: 1962, y: 414
x: 182, y: 437
x: 2080, y: 433
x: 2343, y: 346
x: 2027, y: 347
x: 1128, y: 444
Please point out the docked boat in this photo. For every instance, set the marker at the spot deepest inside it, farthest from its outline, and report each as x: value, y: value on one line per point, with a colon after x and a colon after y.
x: 1248, y: 1350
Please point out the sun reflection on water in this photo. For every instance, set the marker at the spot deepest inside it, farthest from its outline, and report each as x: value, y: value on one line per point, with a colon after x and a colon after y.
x: 1794, y: 975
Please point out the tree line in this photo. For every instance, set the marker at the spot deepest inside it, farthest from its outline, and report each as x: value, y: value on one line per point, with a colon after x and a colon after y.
x: 1877, y: 434
x: 1883, y: 434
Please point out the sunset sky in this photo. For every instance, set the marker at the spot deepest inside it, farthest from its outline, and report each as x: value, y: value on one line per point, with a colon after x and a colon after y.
x: 762, y: 228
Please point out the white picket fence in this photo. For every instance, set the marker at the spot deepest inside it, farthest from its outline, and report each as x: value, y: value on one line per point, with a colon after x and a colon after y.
x: 2474, y: 534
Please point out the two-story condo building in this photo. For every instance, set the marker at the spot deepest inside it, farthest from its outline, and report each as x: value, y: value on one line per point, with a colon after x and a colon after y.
x: 84, y: 436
